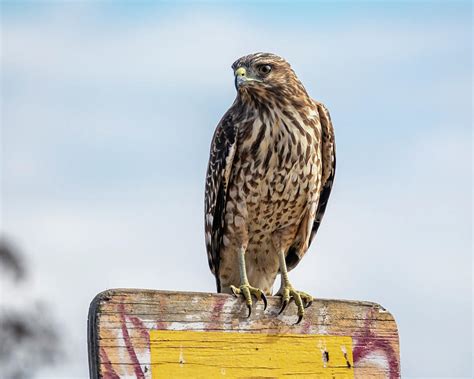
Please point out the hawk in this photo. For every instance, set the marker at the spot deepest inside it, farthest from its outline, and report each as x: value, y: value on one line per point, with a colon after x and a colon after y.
x: 271, y: 169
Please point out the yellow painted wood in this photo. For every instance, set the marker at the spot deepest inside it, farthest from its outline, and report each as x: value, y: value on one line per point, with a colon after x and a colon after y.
x: 188, y: 354
x: 122, y: 320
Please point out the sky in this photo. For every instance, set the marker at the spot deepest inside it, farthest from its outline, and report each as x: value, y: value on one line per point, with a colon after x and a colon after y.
x: 107, y: 113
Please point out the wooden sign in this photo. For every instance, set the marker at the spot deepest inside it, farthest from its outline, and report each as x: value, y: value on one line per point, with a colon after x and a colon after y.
x: 159, y: 334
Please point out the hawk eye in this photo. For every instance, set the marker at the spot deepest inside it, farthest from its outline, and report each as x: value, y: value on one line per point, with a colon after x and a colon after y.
x: 265, y: 68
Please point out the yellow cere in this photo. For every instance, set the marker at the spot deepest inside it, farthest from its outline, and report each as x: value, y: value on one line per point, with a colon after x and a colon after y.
x: 190, y: 354
x: 240, y: 72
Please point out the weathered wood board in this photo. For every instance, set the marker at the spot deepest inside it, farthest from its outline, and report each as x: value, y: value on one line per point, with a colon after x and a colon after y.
x: 159, y: 334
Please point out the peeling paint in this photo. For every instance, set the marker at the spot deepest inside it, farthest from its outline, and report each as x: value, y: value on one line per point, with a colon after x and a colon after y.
x: 126, y: 318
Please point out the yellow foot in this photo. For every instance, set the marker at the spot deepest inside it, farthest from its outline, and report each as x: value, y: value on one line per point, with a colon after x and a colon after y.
x: 247, y: 291
x: 302, y: 300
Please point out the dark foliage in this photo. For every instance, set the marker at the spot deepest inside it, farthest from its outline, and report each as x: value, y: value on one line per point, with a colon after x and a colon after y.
x: 28, y: 337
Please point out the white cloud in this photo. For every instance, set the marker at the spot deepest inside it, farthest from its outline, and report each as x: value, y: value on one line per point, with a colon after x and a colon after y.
x: 197, y: 47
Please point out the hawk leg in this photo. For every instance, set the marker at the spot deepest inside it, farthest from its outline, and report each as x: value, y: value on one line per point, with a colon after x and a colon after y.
x: 245, y: 289
x: 288, y: 293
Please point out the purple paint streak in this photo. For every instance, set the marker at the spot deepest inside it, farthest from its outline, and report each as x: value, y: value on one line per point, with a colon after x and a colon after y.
x: 367, y: 342
x: 128, y: 344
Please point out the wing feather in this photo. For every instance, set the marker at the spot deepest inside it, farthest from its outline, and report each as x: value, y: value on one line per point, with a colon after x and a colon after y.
x: 328, y: 155
x: 329, y: 166
x: 223, y: 147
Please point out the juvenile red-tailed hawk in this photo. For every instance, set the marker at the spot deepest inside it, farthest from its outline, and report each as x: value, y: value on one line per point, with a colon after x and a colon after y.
x: 270, y: 173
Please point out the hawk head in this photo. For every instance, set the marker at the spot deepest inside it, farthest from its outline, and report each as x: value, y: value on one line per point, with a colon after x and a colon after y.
x: 265, y: 74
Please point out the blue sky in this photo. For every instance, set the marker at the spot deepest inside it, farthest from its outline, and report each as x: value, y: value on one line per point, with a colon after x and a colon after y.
x: 107, y: 115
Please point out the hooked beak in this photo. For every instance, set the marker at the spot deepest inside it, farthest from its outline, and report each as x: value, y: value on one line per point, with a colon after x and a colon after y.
x: 241, y: 77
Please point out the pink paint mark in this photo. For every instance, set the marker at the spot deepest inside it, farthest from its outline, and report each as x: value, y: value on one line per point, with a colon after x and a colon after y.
x: 216, y: 313
x: 109, y: 370
x: 128, y: 344
x: 367, y: 342
x: 306, y: 326
x: 137, y: 323
x: 162, y: 325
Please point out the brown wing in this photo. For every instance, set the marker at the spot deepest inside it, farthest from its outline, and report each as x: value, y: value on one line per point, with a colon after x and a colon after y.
x: 329, y: 165
x: 328, y: 155
x: 222, y: 153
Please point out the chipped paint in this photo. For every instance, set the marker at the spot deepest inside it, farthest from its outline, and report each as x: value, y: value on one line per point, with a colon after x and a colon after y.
x: 128, y: 318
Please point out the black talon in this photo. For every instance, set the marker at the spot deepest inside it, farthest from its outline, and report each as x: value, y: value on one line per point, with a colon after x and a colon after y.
x: 307, y: 305
x: 300, y: 317
x: 264, y: 298
x: 285, y: 303
x: 249, y: 307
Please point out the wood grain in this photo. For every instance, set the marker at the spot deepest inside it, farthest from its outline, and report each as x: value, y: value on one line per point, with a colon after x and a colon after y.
x: 147, y: 334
